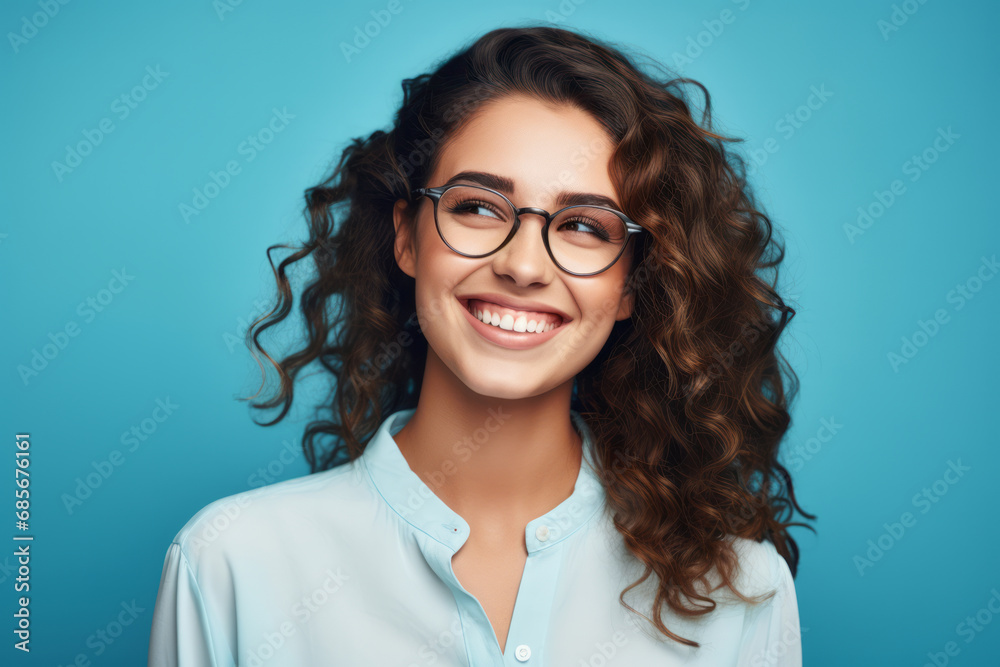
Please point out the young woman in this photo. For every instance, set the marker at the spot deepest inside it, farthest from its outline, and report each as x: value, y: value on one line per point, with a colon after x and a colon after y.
x: 556, y: 401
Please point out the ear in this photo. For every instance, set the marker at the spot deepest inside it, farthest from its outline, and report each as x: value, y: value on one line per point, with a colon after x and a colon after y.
x: 628, y: 291
x: 403, y: 221
x: 625, y: 307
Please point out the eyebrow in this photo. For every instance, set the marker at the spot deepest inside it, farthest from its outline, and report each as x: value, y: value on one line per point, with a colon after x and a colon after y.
x: 506, y: 186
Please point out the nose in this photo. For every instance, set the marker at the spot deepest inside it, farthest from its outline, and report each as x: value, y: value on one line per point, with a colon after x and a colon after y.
x: 524, y: 258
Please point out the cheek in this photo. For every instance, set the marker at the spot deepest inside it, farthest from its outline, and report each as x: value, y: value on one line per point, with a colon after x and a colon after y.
x: 431, y: 298
x: 605, y: 312
x: 438, y: 275
x: 600, y: 302
x: 604, y: 316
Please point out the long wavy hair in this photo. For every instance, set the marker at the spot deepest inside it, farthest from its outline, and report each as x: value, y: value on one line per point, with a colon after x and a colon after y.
x: 686, y: 401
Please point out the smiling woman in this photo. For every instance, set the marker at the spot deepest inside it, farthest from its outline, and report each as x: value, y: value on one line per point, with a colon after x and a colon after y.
x: 532, y: 453
x: 473, y: 242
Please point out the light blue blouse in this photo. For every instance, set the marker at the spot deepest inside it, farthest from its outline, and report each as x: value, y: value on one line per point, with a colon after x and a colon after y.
x: 352, y: 566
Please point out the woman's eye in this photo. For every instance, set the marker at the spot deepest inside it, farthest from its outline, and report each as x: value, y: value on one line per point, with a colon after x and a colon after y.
x: 475, y: 209
x: 581, y: 226
x: 485, y: 211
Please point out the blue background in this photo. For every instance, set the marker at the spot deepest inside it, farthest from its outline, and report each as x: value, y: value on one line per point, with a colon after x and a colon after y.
x: 175, y: 331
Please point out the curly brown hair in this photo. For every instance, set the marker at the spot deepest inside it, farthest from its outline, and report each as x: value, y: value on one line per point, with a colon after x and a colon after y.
x: 686, y: 400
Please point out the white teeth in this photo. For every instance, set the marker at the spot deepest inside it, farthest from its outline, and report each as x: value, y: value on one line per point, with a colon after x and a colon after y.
x: 507, y: 322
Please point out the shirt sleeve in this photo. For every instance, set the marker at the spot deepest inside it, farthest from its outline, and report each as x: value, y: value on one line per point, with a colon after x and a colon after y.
x: 771, y: 634
x: 181, y: 635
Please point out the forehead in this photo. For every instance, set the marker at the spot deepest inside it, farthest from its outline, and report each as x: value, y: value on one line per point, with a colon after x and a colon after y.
x: 543, y: 147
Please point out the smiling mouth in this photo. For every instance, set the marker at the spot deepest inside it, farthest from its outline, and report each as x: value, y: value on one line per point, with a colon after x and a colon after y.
x: 511, y: 319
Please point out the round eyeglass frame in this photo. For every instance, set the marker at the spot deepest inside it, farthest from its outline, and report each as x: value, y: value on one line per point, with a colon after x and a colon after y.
x: 631, y: 227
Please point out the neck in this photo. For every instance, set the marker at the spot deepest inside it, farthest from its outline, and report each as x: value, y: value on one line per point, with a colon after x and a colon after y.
x: 501, y: 461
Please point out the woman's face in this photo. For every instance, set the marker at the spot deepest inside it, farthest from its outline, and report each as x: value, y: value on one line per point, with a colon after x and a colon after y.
x: 542, y: 150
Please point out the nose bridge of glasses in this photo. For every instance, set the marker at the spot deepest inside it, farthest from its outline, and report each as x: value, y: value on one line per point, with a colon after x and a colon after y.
x: 518, y: 240
x: 543, y: 219
x: 534, y: 211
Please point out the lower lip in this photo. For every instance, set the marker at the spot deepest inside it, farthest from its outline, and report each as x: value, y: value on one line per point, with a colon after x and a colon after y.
x: 515, y: 340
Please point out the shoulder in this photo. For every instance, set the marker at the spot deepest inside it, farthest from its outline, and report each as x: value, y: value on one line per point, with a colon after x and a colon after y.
x: 247, y: 550
x: 263, y: 517
x: 770, y: 633
x: 761, y: 570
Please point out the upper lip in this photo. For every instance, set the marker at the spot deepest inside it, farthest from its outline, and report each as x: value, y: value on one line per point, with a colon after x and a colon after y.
x: 517, y: 304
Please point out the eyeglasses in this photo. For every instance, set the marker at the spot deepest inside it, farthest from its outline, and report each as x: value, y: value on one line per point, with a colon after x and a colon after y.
x: 582, y: 240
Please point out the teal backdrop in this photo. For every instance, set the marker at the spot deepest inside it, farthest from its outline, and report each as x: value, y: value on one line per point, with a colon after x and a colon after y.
x: 151, y: 153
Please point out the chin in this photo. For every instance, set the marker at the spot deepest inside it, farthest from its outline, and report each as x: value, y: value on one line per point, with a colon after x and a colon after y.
x: 505, y: 386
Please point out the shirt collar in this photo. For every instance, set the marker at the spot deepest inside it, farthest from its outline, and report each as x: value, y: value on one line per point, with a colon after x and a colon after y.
x: 414, y: 501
